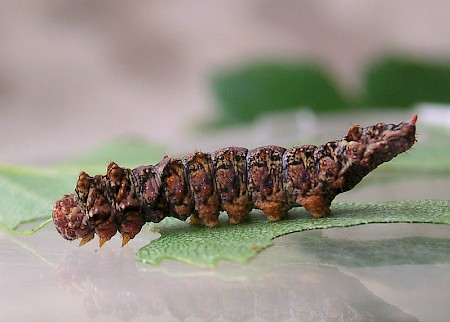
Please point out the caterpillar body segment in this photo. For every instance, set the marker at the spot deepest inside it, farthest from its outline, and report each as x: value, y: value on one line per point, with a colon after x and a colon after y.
x: 233, y: 179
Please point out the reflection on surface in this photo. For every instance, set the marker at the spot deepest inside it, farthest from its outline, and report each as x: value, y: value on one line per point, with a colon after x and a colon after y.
x: 372, y: 253
x: 112, y: 283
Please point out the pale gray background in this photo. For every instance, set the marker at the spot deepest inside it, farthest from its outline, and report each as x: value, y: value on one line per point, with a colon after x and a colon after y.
x: 73, y: 73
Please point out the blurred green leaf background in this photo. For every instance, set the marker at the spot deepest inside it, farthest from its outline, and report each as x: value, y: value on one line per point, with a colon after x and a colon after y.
x: 245, y: 92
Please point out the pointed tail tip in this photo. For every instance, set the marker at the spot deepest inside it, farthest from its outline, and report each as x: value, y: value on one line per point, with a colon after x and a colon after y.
x: 414, y: 119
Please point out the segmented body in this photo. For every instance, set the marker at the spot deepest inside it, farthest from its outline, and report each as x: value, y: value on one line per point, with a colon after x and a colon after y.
x: 233, y: 179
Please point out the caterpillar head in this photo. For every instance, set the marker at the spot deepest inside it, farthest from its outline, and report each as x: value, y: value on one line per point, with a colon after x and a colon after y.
x: 70, y: 221
x: 73, y: 223
x: 88, y: 211
x: 374, y: 145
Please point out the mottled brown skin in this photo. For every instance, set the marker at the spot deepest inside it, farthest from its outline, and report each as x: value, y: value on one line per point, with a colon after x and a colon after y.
x: 232, y: 179
x: 265, y: 181
x: 200, y: 172
x: 175, y: 188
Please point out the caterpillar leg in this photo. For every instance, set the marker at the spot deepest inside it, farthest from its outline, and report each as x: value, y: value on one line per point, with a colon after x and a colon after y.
x: 273, y: 211
x: 210, y: 219
x: 235, y: 217
x: 237, y: 213
x: 194, y: 220
x: 316, y: 205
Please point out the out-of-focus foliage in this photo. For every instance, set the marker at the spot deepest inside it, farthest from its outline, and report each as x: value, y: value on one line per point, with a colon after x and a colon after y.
x: 244, y: 93
x: 401, y: 82
x: 248, y: 91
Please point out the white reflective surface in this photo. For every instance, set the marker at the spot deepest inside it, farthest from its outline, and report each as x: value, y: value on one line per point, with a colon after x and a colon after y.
x: 325, y: 275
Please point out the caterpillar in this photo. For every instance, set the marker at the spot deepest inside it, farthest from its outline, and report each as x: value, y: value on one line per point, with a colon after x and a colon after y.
x: 234, y: 179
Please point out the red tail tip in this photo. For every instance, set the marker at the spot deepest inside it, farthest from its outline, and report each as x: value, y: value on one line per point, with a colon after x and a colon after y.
x: 414, y: 119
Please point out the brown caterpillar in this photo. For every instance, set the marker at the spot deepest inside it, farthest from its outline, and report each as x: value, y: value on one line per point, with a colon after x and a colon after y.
x: 235, y: 180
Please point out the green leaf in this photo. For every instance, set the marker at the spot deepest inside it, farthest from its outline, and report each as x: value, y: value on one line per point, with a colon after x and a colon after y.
x: 207, y: 247
x: 28, y: 194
